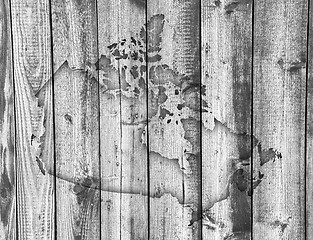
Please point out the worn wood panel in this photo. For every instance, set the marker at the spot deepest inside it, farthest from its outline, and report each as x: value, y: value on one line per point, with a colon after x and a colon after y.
x: 76, y: 107
x: 279, y: 85
x: 32, y: 69
x: 226, y: 137
x: 124, y: 161
x: 309, y: 129
x: 110, y: 123
x: 173, y: 48
x: 7, y: 129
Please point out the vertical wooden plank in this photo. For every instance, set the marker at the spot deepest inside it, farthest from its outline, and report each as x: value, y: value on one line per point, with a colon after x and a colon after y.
x: 110, y: 122
x: 76, y: 103
x: 33, y: 109
x: 279, y: 85
x: 226, y: 137
x: 124, y: 161
x: 309, y: 130
x: 173, y: 47
x: 7, y: 129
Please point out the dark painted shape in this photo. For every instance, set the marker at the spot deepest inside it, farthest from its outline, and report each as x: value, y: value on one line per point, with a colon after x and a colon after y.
x: 155, y: 28
x: 229, y: 8
x: 139, y: 3
x: 3, y: 57
x: 6, y: 192
x: 240, y: 180
x: 41, y: 166
x: 268, y: 155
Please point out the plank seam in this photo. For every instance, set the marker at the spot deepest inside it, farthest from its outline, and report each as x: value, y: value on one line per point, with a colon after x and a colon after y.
x: 121, y: 132
x: 200, y: 128
x: 53, y: 121
x: 147, y: 107
x: 305, y: 118
x: 15, y: 152
x: 252, y: 123
x: 99, y: 122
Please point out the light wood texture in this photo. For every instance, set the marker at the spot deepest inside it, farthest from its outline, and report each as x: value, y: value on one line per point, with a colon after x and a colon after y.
x: 110, y: 123
x: 7, y: 129
x: 309, y: 131
x: 32, y: 68
x: 226, y: 46
x: 156, y: 119
x: 124, y: 161
x: 174, y: 118
x: 279, y: 85
x: 76, y: 108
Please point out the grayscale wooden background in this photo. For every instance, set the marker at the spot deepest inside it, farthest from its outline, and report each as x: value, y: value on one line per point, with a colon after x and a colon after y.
x: 156, y: 119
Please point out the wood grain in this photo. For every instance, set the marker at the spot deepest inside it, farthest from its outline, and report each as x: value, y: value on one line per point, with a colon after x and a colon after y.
x: 76, y: 107
x: 279, y: 85
x: 32, y: 69
x: 124, y: 161
x: 309, y: 129
x: 110, y: 124
x: 7, y: 129
x: 226, y: 137
x: 156, y: 119
x: 174, y: 118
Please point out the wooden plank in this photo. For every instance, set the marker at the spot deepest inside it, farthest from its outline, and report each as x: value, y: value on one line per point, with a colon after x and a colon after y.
x: 110, y: 123
x: 309, y: 132
x: 173, y: 43
x: 124, y: 161
x: 76, y: 103
x: 226, y: 137
x: 279, y: 85
x: 7, y: 129
x: 32, y: 69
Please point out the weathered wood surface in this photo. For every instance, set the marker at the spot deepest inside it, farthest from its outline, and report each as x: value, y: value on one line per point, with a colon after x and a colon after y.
x: 76, y: 121
x: 155, y: 119
x: 110, y: 123
x: 32, y: 69
x: 226, y: 137
x: 309, y: 130
x: 35, y: 191
x: 174, y: 118
x: 279, y: 92
x: 7, y: 129
x: 123, y: 117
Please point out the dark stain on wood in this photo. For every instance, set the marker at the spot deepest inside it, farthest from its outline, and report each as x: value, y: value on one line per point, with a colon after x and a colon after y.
x: 139, y: 3
x: 3, y: 55
x: 293, y: 66
x: 6, y: 193
x: 41, y: 166
x: 68, y: 118
x: 270, y: 154
x: 217, y: 3
x: 232, y: 6
x: 229, y: 8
